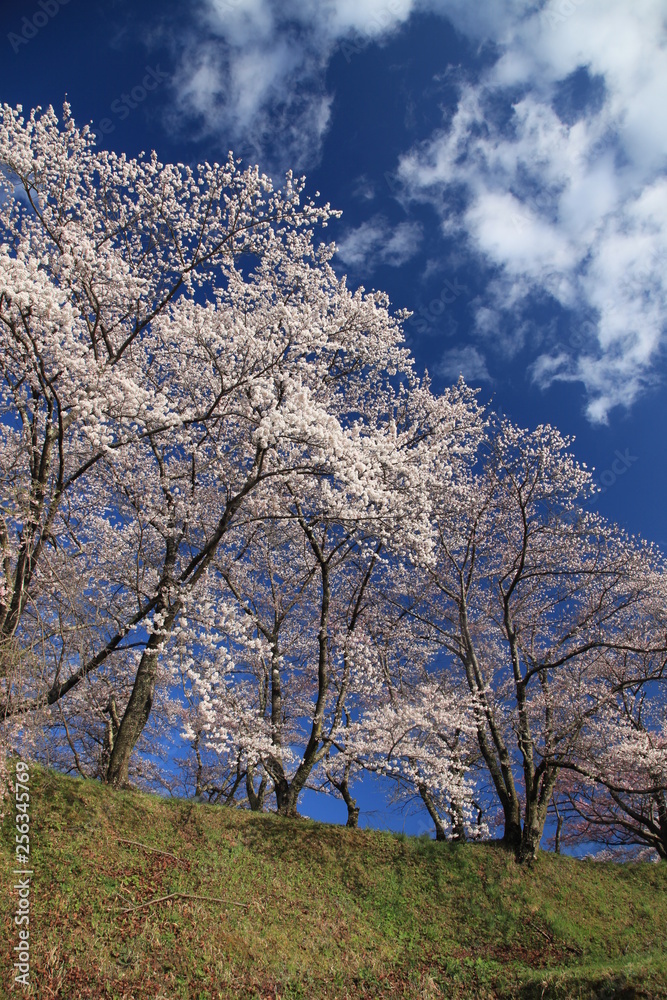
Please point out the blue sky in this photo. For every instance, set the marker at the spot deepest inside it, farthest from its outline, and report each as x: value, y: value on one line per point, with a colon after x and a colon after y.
x: 500, y: 165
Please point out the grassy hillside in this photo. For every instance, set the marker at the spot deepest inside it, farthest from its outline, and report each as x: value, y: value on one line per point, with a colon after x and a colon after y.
x: 296, y: 909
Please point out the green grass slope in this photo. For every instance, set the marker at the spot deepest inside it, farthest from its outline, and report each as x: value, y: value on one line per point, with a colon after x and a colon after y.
x: 262, y: 907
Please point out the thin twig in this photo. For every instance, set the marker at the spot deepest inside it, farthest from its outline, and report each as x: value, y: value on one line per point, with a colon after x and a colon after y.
x: 160, y: 899
x: 123, y: 895
x: 183, y: 895
x: 550, y: 939
x: 121, y: 840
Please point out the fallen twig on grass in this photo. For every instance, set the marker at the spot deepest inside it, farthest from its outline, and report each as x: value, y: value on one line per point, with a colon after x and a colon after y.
x: 183, y: 895
x: 543, y: 933
x: 550, y: 939
x: 122, y: 840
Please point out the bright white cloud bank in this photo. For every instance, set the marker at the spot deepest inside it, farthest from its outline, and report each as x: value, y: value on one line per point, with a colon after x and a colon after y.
x: 561, y: 200
x: 567, y: 202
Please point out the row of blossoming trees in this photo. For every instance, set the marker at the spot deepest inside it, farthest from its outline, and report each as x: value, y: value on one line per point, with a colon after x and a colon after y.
x: 231, y: 509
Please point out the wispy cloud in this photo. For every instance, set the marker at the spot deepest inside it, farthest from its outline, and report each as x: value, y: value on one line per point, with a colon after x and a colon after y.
x: 376, y: 242
x: 253, y: 71
x: 364, y: 189
x: 467, y: 361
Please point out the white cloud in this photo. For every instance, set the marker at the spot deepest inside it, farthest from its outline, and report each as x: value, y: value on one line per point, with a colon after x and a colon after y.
x: 574, y: 208
x: 366, y: 17
x: 364, y: 189
x: 376, y: 242
x: 467, y: 361
x: 253, y: 71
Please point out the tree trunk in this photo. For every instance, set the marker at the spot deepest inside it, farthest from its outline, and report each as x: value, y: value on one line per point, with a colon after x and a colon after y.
x: 511, y: 837
x: 141, y: 700
x: 661, y: 840
x: 135, y: 717
x: 559, y: 826
x: 530, y: 844
x: 110, y: 733
x: 489, y: 736
x: 255, y: 798
x: 533, y: 828
x: 286, y: 799
x: 344, y: 789
x: 34, y: 533
x: 287, y: 793
x: 458, y: 822
x: 538, y: 796
x: 440, y: 831
x: 352, y: 814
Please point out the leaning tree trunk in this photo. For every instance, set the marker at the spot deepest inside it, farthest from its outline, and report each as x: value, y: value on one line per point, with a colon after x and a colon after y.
x: 139, y: 706
x: 440, y: 831
x: 343, y: 787
x: 135, y: 717
x: 141, y: 700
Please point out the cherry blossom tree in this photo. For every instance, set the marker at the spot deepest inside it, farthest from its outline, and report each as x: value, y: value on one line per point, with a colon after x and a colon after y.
x: 401, y: 722
x: 173, y: 342
x: 95, y: 250
x: 340, y: 772
x: 417, y: 737
x: 300, y: 581
x: 303, y: 576
x: 218, y: 469
x: 198, y: 772
x: 534, y: 599
x: 615, y: 792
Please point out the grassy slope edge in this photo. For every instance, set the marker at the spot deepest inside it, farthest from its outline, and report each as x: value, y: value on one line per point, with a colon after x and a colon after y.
x: 312, y: 911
